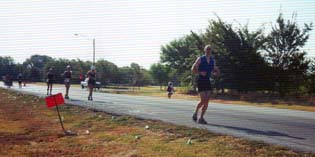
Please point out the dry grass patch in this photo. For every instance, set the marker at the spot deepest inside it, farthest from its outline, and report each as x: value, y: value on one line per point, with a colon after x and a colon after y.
x: 28, y: 128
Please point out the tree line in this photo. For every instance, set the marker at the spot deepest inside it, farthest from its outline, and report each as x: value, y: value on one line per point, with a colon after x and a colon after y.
x: 34, y: 69
x: 249, y: 61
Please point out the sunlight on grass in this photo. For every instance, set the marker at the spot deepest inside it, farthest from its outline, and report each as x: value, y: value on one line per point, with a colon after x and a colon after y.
x: 40, y: 135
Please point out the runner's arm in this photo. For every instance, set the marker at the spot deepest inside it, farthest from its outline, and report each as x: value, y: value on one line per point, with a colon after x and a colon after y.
x: 194, y: 68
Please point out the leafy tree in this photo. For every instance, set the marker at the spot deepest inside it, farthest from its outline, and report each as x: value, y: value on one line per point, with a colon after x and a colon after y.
x: 145, y: 78
x: 179, y: 55
x: 285, y: 55
x: 79, y: 67
x: 36, y: 63
x: 160, y: 74
x: 310, y: 84
x: 107, y: 72
x: 58, y: 66
x: 237, y: 52
x: 136, y: 73
x: 125, y: 75
x: 7, y: 66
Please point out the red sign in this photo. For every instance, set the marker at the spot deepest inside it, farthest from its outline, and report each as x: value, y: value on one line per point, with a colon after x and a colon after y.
x: 55, y: 100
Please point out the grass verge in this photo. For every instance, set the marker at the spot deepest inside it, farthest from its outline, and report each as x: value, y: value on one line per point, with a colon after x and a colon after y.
x: 28, y: 128
x: 154, y: 91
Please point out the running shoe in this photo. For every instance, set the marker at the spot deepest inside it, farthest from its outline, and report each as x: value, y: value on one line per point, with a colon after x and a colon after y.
x: 202, y: 121
x: 194, y: 117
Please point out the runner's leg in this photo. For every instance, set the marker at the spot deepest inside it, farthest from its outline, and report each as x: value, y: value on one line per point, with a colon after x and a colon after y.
x: 50, y: 87
x: 67, y: 89
x: 90, y: 91
x: 47, y: 88
x: 205, y: 103
x: 199, y: 105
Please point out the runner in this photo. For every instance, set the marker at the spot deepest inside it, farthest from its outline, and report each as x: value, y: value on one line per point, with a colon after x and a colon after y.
x: 20, y: 79
x: 8, y: 80
x: 25, y: 80
x: 67, y: 74
x: 50, y: 79
x: 204, y: 67
x: 170, y: 89
x: 91, y: 74
x: 81, y: 77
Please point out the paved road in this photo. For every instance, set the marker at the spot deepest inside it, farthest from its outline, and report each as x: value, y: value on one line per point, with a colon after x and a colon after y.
x: 294, y: 129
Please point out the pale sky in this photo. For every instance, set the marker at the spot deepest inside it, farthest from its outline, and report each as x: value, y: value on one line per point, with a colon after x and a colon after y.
x: 127, y: 31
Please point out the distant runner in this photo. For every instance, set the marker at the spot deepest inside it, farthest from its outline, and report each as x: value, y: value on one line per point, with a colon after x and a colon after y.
x: 50, y: 80
x: 8, y: 80
x: 67, y: 75
x: 91, y: 74
x: 20, y: 79
x: 204, y: 66
x: 81, y: 77
x: 24, y: 80
x: 170, y: 89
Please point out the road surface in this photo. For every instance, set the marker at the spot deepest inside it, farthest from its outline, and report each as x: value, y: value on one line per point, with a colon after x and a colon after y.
x: 293, y: 129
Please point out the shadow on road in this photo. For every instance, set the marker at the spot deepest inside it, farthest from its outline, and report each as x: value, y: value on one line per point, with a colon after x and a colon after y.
x: 257, y: 132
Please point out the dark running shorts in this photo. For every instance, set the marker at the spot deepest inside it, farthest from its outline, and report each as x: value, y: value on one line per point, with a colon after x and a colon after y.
x: 67, y: 81
x: 91, y: 82
x: 50, y: 81
x: 204, y: 85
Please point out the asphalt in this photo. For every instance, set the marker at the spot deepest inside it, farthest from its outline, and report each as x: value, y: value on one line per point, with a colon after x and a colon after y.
x: 289, y: 128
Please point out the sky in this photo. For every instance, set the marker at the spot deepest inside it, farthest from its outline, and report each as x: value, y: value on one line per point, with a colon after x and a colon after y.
x: 128, y: 31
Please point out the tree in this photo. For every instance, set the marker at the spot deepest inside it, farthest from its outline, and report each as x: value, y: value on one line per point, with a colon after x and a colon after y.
x: 237, y: 54
x: 79, y: 67
x: 125, y: 75
x: 310, y: 85
x: 179, y: 55
x: 145, y: 78
x: 58, y: 66
x: 160, y: 74
x: 136, y: 73
x: 36, y: 63
x: 107, y: 72
x: 284, y: 53
x: 7, y: 66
